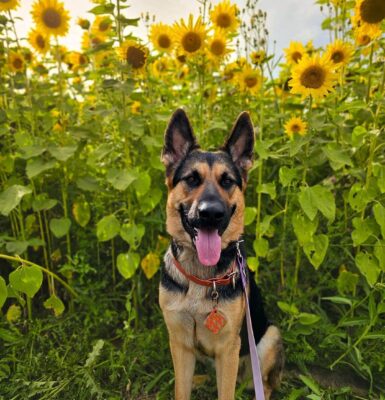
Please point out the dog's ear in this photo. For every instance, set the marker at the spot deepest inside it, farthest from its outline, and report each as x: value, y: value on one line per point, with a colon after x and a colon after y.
x: 240, y: 143
x: 179, y: 139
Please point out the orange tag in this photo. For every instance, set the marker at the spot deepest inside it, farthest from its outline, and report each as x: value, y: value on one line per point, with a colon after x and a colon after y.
x: 215, y: 321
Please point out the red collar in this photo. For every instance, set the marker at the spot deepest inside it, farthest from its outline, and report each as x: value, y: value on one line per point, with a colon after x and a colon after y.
x: 221, y: 281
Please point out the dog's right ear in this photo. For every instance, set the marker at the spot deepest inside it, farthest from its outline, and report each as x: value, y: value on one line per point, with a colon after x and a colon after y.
x: 179, y: 139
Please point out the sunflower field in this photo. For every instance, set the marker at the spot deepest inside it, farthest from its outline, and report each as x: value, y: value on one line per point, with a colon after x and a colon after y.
x: 82, y: 194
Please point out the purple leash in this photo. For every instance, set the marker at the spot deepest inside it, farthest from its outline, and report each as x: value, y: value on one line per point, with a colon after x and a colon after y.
x: 257, y: 377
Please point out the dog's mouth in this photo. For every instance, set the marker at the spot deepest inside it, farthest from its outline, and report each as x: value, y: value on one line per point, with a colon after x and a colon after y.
x: 207, y: 240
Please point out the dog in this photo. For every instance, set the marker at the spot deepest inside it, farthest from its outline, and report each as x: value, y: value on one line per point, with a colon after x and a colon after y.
x: 200, y: 292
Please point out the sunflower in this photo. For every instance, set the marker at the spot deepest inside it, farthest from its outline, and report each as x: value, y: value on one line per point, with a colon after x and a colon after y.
x: 76, y: 60
x: 190, y: 37
x: 102, y: 26
x: 135, y: 107
x: 295, y: 125
x: 134, y: 54
x: 249, y: 80
x: 50, y: 17
x: 91, y: 41
x: 16, y: 61
x: 83, y: 23
x: 8, y: 5
x: 224, y: 16
x: 313, y: 76
x: 295, y: 52
x: 364, y: 36
x: 38, y: 41
x: 370, y: 11
x: 161, y: 37
x: 230, y: 71
x: 339, y: 53
x: 258, y: 57
x: 160, y: 66
x: 218, y: 47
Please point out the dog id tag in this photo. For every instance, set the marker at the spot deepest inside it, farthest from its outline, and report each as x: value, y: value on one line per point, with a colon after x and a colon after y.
x: 215, y: 321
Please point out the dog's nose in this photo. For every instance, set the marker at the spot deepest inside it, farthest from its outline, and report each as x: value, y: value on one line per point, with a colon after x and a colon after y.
x: 211, y: 213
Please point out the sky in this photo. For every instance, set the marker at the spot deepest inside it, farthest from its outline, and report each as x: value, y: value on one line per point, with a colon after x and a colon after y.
x: 287, y: 20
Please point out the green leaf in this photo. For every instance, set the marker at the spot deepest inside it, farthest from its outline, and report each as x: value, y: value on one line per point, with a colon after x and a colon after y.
x: 379, y: 252
x: 103, y: 9
x: 306, y: 201
x: 304, y: 228
x: 288, y: 308
x: 88, y: 183
x: 337, y: 156
x: 26, y: 279
x: 362, y: 230
x: 261, y: 247
x: 267, y: 188
x: 347, y: 282
x: 308, y: 319
x: 316, y: 249
x: 311, y: 384
x: 11, y: 197
x: 379, y: 173
x: 379, y: 215
x: 9, y: 336
x: 55, y: 304
x: 358, y: 197
x: 253, y: 263
x: 81, y: 211
x: 132, y: 234
x: 368, y: 266
x: 62, y: 153
x: 42, y: 202
x: 32, y: 151
x: 250, y: 214
x: 3, y: 292
x: 287, y: 175
x: 60, y: 226
x: 338, y: 300
x: 17, y: 246
x: 122, y: 179
x: 36, y: 166
x: 358, y: 135
x: 127, y: 264
x: 142, y: 184
x: 107, y: 228
x: 150, y: 201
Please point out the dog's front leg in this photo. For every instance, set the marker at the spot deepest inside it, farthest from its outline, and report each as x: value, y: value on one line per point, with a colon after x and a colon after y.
x: 183, y: 359
x: 226, y: 365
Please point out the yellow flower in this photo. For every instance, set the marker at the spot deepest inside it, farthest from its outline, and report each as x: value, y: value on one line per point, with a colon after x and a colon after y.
x: 369, y: 12
x: 161, y: 37
x: 295, y: 125
x: 7, y: 5
x: 230, y: 71
x: 190, y: 37
x: 339, y: 53
x: 218, y: 47
x: 249, y: 80
x: 76, y: 60
x: 135, y: 107
x: 83, y: 23
x: 134, y: 54
x: 257, y: 57
x: 16, y: 62
x: 101, y: 26
x: 224, y: 16
x: 160, y: 66
x: 364, y: 36
x: 91, y: 41
x: 38, y: 41
x: 50, y: 17
x: 313, y: 76
x: 294, y: 53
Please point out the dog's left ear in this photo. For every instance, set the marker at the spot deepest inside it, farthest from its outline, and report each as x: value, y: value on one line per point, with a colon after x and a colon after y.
x: 240, y: 143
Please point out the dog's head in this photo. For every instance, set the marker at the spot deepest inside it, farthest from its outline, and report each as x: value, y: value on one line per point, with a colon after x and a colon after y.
x: 205, y: 204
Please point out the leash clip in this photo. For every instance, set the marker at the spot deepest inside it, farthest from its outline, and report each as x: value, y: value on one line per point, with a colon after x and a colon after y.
x: 214, y: 294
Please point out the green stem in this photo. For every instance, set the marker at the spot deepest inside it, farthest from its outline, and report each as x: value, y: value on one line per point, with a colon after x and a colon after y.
x: 47, y: 271
x: 370, y: 73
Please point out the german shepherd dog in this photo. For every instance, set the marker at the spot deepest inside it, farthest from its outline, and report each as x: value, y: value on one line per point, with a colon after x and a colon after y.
x: 200, y: 281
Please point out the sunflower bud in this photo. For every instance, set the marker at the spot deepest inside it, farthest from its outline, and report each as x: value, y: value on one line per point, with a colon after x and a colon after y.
x: 83, y: 23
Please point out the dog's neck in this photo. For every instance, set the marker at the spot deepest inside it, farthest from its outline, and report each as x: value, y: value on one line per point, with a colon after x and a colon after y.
x: 188, y: 258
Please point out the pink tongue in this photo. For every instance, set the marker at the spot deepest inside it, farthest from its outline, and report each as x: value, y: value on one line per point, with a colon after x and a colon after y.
x: 208, y: 245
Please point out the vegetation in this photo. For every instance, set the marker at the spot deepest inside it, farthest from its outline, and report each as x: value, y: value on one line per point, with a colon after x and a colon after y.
x: 82, y: 198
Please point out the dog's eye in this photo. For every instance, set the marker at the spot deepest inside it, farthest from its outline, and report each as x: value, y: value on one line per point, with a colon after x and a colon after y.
x: 193, y: 180
x: 226, y: 182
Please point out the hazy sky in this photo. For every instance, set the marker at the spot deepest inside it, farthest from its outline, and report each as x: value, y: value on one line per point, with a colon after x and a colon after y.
x: 286, y: 19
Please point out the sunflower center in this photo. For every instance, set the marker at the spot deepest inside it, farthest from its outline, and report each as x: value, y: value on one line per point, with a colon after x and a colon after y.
x: 51, y: 18
x: 217, y: 47
x: 95, y: 41
x: 135, y: 57
x: 104, y: 25
x: 5, y: 1
x: 18, y: 63
x: 82, y: 59
x: 181, y: 58
x: 296, y: 56
x: 251, y: 81
x: 372, y: 11
x: 337, y: 56
x: 313, y: 77
x: 40, y: 41
x: 295, y: 128
x: 224, y: 20
x: 164, y: 41
x: 365, y: 39
x: 191, y: 42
